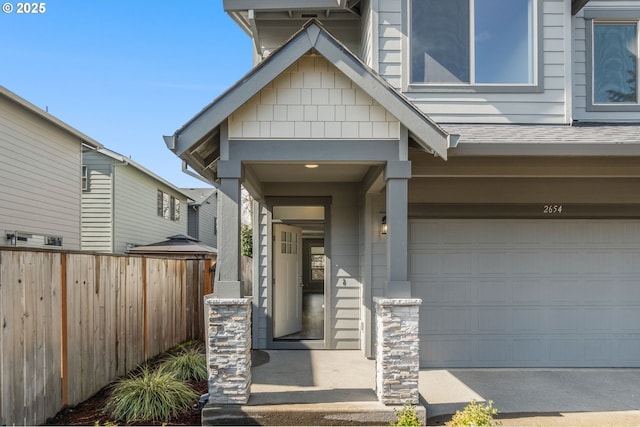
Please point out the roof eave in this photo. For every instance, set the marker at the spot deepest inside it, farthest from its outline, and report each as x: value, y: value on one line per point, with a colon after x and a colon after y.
x: 84, y: 139
x: 128, y: 161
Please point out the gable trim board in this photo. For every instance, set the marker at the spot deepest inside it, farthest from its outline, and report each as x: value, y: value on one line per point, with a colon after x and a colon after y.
x: 207, y: 123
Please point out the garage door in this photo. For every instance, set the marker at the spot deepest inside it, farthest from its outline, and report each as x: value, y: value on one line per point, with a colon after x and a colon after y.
x: 527, y: 293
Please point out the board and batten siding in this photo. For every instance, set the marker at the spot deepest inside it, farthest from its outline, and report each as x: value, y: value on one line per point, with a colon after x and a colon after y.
x: 135, y: 209
x: 546, y: 107
x: 580, y: 66
x: 40, y: 176
x: 343, y: 260
x: 97, y: 203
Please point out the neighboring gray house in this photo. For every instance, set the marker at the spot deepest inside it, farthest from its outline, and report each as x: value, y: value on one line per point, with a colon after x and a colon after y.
x: 125, y: 205
x: 485, y: 163
x: 202, y: 215
x: 40, y: 176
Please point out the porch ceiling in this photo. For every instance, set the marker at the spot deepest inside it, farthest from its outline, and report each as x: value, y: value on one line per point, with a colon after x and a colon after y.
x: 297, y: 172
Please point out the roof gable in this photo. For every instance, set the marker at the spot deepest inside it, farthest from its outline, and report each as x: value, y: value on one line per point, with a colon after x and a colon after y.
x: 312, y: 36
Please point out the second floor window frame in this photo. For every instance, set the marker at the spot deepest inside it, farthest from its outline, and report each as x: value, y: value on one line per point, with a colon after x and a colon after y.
x: 537, y: 55
x: 593, y: 18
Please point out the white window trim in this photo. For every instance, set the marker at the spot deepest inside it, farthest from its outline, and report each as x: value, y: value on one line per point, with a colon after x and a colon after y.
x: 615, y: 17
x: 538, y: 59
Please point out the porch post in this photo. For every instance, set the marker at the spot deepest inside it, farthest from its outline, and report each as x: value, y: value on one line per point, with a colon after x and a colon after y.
x: 228, y: 351
x: 227, y: 283
x: 397, y: 314
x: 397, y: 175
x: 397, y: 350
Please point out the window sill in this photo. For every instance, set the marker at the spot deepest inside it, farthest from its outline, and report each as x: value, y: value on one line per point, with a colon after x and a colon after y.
x: 426, y: 88
x: 618, y: 108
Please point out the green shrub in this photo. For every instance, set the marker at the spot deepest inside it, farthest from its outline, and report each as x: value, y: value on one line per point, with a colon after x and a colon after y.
x: 476, y: 415
x: 149, y: 396
x: 187, y: 365
x: 408, y: 416
x: 246, y: 236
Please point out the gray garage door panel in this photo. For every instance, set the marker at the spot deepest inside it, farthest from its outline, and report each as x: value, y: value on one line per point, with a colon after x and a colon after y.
x: 527, y: 293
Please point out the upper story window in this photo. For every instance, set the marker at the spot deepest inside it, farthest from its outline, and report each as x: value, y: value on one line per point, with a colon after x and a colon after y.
x: 614, y: 65
x: 472, y: 42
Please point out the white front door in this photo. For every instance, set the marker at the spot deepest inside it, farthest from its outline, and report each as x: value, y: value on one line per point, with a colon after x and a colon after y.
x: 287, y: 288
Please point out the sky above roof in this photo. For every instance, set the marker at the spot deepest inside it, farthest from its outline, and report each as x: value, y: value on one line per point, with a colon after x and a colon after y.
x: 124, y: 72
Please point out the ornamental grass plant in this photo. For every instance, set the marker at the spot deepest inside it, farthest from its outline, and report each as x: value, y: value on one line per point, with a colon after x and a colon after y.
x: 149, y: 396
x: 189, y: 364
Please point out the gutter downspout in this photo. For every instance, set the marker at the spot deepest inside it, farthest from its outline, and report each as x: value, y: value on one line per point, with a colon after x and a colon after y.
x: 185, y: 169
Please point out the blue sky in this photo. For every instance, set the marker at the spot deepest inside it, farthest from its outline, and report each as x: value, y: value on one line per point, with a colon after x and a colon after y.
x: 124, y: 72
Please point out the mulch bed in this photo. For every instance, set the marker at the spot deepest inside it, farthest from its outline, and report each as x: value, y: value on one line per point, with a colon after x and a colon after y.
x: 91, y: 411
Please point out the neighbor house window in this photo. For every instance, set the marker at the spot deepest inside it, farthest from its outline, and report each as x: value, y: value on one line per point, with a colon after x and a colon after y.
x: 168, y: 207
x: 614, y: 63
x: 85, y: 178
x: 175, y: 209
x: 160, y: 203
x: 472, y: 42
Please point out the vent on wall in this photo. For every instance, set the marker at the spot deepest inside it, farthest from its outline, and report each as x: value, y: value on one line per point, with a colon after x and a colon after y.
x: 20, y: 238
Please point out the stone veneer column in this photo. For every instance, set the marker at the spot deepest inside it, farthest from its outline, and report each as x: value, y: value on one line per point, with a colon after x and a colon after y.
x: 228, y: 349
x: 397, y: 350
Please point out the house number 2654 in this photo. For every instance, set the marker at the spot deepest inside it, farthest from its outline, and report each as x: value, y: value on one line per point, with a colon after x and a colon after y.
x: 552, y: 209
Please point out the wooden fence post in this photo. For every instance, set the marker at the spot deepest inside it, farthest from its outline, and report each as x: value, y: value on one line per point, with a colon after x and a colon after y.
x: 145, y: 328
x: 64, y: 360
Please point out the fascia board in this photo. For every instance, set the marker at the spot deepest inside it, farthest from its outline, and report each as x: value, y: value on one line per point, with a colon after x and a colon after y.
x: 241, y: 5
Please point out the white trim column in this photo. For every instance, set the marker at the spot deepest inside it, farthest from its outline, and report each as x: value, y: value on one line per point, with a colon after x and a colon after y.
x: 397, y: 175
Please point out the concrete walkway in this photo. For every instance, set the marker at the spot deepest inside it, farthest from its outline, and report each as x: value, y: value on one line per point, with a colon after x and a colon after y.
x: 340, y: 384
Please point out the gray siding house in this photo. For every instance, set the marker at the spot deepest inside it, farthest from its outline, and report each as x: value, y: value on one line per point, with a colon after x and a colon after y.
x: 483, y: 162
x: 40, y: 176
x: 125, y: 205
x: 202, y: 215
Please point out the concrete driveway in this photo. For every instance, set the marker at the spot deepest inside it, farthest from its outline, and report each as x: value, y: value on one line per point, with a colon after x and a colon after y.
x: 321, y: 382
x: 538, y: 396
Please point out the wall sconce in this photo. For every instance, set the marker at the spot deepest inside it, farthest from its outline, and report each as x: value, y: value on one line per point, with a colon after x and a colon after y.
x: 383, y: 225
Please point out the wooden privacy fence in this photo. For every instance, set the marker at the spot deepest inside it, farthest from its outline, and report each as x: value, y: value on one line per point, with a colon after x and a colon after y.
x: 72, y: 323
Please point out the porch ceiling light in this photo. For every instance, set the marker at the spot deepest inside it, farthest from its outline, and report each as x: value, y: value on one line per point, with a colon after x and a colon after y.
x: 311, y: 166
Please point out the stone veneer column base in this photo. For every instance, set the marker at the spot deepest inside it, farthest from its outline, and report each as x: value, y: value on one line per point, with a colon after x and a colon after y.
x: 228, y: 349
x: 397, y: 350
